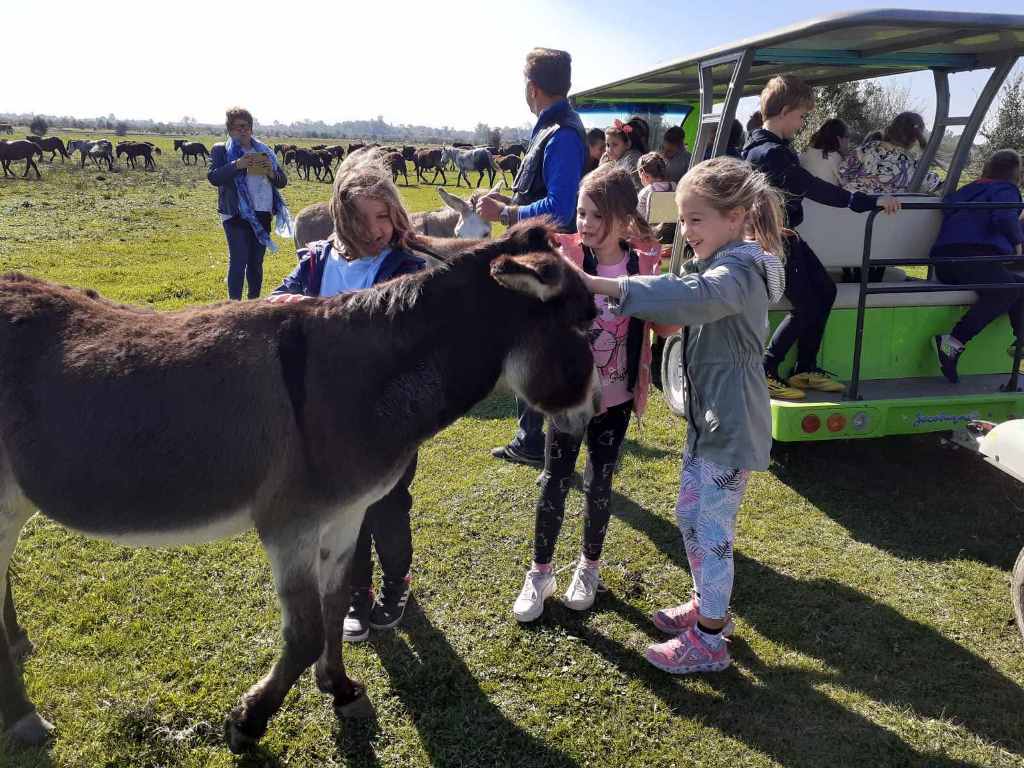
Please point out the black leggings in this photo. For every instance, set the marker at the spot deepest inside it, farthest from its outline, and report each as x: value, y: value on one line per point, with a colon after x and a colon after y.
x: 811, y: 292
x: 605, y: 434
x: 990, y: 304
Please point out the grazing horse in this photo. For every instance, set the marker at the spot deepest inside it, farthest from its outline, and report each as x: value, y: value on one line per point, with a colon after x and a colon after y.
x: 51, y: 144
x: 508, y: 164
x: 191, y: 149
x: 354, y: 148
x: 396, y: 164
x: 408, y: 152
x: 469, y: 160
x: 6, y: 128
x: 515, y: 149
x: 90, y: 389
x: 426, y: 159
x: 135, y: 149
x: 21, y: 149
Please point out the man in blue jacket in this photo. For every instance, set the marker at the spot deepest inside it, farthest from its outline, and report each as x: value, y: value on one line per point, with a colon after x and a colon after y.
x: 981, y: 233
x: 547, y: 185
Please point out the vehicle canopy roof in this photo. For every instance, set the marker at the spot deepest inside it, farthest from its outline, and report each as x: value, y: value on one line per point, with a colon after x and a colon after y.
x: 832, y: 49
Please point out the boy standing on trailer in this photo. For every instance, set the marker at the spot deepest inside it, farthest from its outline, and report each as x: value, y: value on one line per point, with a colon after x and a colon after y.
x: 785, y: 102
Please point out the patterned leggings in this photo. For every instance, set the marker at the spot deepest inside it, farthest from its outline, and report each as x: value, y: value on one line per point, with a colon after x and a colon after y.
x: 709, y: 498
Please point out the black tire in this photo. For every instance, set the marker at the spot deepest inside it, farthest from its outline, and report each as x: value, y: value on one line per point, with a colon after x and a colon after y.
x: 1017, y: 592
x: 672, y: 374
x: 657, y: 347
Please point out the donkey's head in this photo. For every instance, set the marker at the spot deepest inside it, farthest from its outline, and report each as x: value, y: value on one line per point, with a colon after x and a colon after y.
x: 470, y: 225
x: 549, y: 362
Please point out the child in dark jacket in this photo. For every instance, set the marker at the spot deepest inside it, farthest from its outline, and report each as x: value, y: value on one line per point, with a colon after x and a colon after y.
x: 785, y: 102
x: 981, y: 233
x: 368, y: 247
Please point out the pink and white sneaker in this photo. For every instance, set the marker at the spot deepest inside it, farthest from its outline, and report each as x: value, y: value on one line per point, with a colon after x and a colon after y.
x: 680, y: 618
x: 688, y: 653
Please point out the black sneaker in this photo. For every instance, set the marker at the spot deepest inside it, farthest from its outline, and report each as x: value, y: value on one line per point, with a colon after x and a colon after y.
x: 389, y: 607
x: 948, y: 355
x: 357, y: 623
x: 508, y: 453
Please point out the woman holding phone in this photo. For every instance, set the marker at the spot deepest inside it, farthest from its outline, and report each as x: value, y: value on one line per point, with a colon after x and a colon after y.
x: 248, y: 177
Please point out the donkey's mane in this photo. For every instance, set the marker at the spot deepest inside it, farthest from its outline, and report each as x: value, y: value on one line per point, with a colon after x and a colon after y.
x: 401, y: 295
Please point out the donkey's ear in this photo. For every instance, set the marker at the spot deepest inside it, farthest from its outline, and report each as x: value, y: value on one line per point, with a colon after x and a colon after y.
x: 453, y: 202
x: 535, y: 274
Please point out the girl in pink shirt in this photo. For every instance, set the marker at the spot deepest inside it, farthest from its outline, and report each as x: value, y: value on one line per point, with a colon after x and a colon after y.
x: 612, y: 241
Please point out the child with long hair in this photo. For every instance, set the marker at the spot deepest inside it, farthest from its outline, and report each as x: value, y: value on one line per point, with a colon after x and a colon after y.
x: 625, y: 144
x: 611, y: 241
x: 369, y: 246
x: 722, y: 300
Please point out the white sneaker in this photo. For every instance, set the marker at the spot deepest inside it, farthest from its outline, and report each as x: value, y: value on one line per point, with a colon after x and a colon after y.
x: 583, y: 589
x: 536, y: 589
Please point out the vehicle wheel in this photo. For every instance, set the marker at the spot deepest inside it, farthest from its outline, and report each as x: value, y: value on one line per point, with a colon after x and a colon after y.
x: 657, y: 347
x: 1017, y: 592
x: 672, y: 374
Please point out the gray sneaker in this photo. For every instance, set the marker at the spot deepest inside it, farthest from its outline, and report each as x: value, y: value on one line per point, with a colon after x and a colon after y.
x: 537, y: 587
x: 357, y: 623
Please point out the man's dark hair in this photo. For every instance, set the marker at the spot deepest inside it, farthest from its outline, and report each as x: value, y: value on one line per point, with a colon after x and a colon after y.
x: 550, y: 70
x: 595, y: 136
x: 1003, y: 165
x: 675, y: 136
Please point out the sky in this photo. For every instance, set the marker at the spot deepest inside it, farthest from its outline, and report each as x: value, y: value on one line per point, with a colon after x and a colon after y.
x: 456, y: 63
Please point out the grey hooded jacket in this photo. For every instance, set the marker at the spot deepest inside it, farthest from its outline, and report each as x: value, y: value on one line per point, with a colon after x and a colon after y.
x: 723, y: 302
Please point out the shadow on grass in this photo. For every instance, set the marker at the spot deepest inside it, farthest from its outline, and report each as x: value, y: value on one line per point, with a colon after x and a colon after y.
x: 24, y: 757
x: 868, y: 646
x: 456, y: 720
x: 498, y: 405
x: 912, y: 497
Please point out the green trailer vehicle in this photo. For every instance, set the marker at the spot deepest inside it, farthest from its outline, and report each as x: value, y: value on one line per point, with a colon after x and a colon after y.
x: 879, y: 335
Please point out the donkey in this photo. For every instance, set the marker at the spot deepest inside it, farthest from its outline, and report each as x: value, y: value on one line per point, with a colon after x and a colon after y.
x: 89, y: 388
x: 51, y: 144
x: 20, y: 149
x: 469, y: 160
x: 193, y: 149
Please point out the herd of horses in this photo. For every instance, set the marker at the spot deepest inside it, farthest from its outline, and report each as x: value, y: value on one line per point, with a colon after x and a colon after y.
x: 101, y: 152
x: 320, y: 160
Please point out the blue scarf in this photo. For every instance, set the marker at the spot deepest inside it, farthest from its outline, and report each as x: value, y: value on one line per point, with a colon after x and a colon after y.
x: 245, y: 210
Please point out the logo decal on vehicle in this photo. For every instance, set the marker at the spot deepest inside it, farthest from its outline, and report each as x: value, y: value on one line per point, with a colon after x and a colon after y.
x: 944, y: 418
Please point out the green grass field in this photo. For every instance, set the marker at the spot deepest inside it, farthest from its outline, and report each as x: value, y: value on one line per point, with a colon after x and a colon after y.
x: 874, y: 626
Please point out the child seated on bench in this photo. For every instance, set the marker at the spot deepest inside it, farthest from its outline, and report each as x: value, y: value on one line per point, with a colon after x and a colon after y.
x: 968, y: 232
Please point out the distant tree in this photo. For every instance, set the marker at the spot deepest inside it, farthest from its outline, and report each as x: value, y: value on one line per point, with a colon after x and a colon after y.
x: 39, y: 126
x: 481, y: 133
x: 121, y: 129
x: 1006, y: 129
x: 494, y: 138
x: 864, y: 106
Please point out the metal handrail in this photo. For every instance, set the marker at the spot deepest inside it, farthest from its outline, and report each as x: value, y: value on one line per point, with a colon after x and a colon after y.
x: 853, y: 391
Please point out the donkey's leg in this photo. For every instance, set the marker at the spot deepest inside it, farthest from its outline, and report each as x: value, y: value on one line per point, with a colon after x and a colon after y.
x: 292, y: 552
x: 22, y: 722
x: 17, y: 637
x: 337, y: 544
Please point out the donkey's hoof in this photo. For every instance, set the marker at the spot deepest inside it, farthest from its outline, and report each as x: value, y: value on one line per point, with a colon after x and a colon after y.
x: 33, y: 730
x: 22, y: 647
x: 240, y: 735
x: 359, y: 708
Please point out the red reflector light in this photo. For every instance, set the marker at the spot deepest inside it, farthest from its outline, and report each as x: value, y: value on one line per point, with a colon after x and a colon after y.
x: 836, y: 422
x: 810, y: 423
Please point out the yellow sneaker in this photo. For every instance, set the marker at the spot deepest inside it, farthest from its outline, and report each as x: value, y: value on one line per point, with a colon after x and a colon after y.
x: 818, y: 379
x: 779, y: 391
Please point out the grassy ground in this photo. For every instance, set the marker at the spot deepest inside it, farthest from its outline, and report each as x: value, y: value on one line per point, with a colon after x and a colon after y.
x: 873, y: 620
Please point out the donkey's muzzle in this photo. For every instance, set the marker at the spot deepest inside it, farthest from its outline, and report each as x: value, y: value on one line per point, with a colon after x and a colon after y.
x: 574, y: 420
